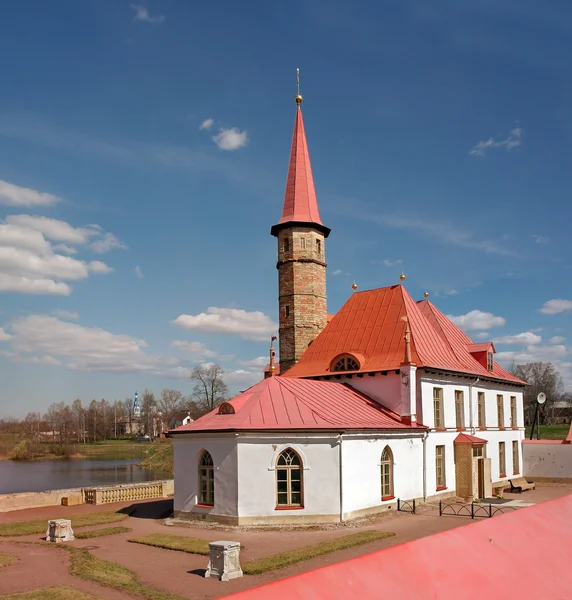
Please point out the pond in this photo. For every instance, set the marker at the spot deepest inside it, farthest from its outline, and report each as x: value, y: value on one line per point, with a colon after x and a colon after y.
x: 40, y: 475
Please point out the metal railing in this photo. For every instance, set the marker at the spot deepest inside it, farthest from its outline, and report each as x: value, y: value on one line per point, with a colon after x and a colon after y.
x: 472, y: 510
x: 406, y: 505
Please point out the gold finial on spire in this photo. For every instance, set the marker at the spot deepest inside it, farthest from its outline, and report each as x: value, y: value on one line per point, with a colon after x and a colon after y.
x: 298, y: 96
x: 425, y: 294
x: 354, y: 286
x: 402, y: 276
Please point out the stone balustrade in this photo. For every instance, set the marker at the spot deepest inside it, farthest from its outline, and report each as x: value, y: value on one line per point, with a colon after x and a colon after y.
x: 128, y: 492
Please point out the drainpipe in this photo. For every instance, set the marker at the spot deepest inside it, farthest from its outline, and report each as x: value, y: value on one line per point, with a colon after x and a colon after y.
x: 341, y: 479
x: 471, y: 404
x: 425, y: 466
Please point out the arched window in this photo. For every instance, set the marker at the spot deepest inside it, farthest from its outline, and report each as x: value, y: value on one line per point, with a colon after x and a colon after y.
x: 345, y: 363
x: 289, y: 479
x: 206, y: 479
x: 387, y: 474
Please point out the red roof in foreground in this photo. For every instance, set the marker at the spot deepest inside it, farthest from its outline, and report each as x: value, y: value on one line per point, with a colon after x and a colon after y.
x: 465, y: 438
x: 289, y: 403
x: 300, y: 202
x: 445, y: 565
x: 370, y: 326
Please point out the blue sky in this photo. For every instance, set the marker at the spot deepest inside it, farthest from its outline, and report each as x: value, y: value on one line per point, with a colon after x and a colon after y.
x: 143, y: 157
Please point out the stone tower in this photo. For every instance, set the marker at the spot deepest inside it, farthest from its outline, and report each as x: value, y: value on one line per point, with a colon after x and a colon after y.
x: 301, y: 255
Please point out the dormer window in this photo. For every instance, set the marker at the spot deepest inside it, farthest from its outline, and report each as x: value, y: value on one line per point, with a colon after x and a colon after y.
x: 490, y: 361
x: 226, y: 409
x: 345, y: 363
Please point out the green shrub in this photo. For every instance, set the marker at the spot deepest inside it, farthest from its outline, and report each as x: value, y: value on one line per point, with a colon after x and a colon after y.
x: 21, y: 451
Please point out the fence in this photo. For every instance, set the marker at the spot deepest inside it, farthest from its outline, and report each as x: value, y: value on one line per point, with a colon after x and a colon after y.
x: 124, y: 493
x: 407, y: 506
x: 475, y: 511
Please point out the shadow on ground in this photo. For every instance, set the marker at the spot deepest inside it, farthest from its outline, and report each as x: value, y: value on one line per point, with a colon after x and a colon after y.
x: 154, y: 509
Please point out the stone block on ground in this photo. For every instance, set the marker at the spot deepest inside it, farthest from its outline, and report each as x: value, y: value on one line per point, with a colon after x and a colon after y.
x: 224, y: 560
x: 59, y: 530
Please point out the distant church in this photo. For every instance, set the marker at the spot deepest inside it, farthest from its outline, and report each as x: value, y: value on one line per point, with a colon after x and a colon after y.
x: 386, y: 399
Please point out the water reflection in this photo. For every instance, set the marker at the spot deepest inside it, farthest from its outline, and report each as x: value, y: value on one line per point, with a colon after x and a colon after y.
x: 35, y: 476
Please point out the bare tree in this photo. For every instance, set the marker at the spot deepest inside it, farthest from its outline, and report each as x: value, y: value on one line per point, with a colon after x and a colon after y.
x: 210, y: 388
x: 148, y: 411
x: 170, y: 404
x: 541, y: 377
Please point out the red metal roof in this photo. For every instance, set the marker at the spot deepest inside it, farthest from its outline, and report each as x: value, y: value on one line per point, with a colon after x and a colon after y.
x: 465, y: 438
x: 370, y: 325
x: 300, y: 202
x: 290, y: 403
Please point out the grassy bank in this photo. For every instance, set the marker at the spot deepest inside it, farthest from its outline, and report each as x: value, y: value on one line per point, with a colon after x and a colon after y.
x: 550, y: 432
x: 161, y: 458
x: 21, y: 448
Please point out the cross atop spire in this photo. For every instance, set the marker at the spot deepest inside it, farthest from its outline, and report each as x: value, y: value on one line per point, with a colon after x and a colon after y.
x: 300, y: 202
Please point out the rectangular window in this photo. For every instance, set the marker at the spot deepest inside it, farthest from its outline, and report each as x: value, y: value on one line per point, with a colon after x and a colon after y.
x: 500, y: 411
x: 286, y: 311
x: 285, y: 245
x: 459, y: 409
x: 478, y: 452
x: 482, y: 419
x: 319, y: 246
x: 440, y: 467
x: 515, y: 462
x: 502, y: 460
x: 302, y: 243
x: 490, y: 361
x: 513, y: 419
x: 438, y: 407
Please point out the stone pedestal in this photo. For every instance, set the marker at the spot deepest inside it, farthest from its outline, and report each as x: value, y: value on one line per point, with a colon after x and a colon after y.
x: 59, y: 530
x: 224, y: 560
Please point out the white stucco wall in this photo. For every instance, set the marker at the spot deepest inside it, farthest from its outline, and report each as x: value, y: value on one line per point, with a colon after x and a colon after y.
x: 361, y: 456
x: 470, y: 394
x: 257, y: 456
x: 550, y: 460
x: 385, y: 389
x: 187, y: 451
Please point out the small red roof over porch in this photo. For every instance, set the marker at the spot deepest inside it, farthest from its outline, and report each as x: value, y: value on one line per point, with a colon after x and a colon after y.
x: 465, y: 438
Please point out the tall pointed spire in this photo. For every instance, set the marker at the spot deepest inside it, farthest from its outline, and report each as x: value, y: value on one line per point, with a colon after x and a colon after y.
x: 300, y: 202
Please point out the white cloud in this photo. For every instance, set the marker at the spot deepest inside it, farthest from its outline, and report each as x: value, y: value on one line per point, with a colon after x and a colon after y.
x: 541, y: 240
x: 230, y: 139
x: 206, y: 124
x: 106, y: 243
x: 138, y: 272
x: 513, y: 140
x: 337, y: 272
x: 386, y: 262
x: 477, y: 319
x: 558, y: 354
x: 255, y: 364
x: 52, y: 229
x: 46, y: 359
x: 66, y: 315
x: 557, y: 339
x: 4, y: 337
x: 65, y: 249
x: 451, y: 292
x: 30, y: 265
x: 526, y: 338
x: 96, y: 266
x: 143, y: 14
x: 554, y: 307
x: 14, y: 195
x: 92, y: 349
x: 199, y: 352
x: 25, y: 285
x: 255, y: 326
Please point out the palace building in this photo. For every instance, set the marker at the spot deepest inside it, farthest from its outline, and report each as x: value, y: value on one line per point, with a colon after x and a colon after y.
x: 386, y: 399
